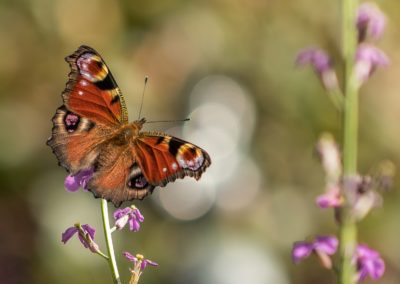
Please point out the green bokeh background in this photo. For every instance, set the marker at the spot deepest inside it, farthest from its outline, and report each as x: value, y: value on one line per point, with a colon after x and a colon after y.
x: 250, y: 43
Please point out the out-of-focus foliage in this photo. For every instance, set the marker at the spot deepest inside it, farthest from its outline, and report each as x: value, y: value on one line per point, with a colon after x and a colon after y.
x: 229, y: 65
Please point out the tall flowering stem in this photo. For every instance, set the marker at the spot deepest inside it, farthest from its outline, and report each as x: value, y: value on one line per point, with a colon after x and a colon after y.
x: 351, y: 195
x: 348, y: 229
x: 110, y: 248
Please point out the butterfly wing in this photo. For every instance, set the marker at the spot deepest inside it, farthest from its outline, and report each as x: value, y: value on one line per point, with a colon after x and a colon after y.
x: 118, y: 177
x: 163, y: 158
x: 91, y: 91
x: 93, y: 108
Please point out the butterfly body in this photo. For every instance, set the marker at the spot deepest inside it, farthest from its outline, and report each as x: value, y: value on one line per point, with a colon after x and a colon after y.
x: 91, y: 132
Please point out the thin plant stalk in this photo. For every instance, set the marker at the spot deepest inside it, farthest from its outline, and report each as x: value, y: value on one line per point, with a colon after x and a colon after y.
x: 110, y: 248
x: 336, y: 98
x: 348, y: 229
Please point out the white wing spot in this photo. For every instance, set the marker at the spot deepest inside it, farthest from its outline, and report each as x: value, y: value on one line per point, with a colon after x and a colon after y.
x: 80, y: 93
x: 193, y: 165
x: 164, y: 170
x: 174, y: 166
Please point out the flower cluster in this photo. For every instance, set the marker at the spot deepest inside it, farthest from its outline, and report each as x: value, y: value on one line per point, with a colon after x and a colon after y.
x: 86, y: 233
x: 370, y: 26
x: 368, y: 261
x: 355, y: 194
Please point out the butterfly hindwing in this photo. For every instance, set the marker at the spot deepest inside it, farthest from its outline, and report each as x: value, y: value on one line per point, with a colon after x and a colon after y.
x: 164, y: 158
x: 117, y: 176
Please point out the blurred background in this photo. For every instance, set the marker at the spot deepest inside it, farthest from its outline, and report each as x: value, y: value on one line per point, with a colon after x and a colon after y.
x: 229, y: 66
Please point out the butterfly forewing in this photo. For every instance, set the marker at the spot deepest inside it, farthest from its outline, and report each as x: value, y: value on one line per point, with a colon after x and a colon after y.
x: 92, y: 91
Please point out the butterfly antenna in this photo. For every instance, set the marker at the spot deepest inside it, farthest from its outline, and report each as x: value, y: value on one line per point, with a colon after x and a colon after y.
x: 144, y: 89
x: 177, y: 120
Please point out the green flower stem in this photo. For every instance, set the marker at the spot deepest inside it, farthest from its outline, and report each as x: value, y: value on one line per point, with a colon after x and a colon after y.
x: 348, y: 229
x: 110, y: 248
x: 102, y: 255
x: 350, y: 127
x: 337, y: 98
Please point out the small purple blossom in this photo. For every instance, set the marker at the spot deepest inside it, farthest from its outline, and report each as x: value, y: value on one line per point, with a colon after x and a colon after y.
x: 85, y: 235
x: 370, y: 21
x: 368, y: 58
x: 301, y: 250
x: 139, y: 260
x: 321, y: 63
x: 316, y: 57
x: 327, y: 244
x: 369, y: 263
x: 81, y: 179
x: 129, y: 215
x: 332, y: 198
x: 322, y: 246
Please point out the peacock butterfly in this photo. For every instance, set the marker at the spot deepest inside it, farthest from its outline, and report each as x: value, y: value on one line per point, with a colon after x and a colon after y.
x: 91, y: 132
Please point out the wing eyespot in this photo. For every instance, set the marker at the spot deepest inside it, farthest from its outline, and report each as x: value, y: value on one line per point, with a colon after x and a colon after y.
x: 137, y: 182
x: 137, y: 179
x: 71, y: 121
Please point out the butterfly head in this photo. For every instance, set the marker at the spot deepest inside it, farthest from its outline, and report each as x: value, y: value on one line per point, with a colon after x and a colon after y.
x: 140, y: 122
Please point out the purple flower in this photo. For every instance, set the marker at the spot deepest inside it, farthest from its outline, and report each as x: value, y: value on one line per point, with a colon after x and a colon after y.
x: 368, y: 58
x: 370, y: 21
x: 139, y: 261
x: 369, y: 262
x: 321, y: 63
x: 301, y: 250
x: 327, y: 244
x: 85, y: 235
x: 322, y: 246
x: 316, y: 57
x: 332, y: 198
x: 128, y: 214
x: 81, y: 179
